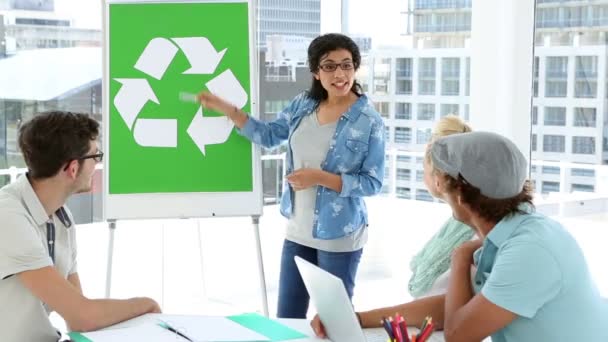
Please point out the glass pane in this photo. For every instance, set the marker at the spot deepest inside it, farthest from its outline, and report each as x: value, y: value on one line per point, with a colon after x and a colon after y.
x: 50, y: 59
x: 569, y: 134
x: 427, y: 43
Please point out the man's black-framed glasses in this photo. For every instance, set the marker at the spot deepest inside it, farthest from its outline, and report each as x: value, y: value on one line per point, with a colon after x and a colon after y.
x: 98, y: 157
x: 331, y: 67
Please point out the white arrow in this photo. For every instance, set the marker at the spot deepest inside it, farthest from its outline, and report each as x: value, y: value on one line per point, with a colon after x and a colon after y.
x: 132, y: 97
x: 156, y: 132
x: 226, y: 86
x: 200, y: 53
x: 208, y: 131
x: 156, y: 57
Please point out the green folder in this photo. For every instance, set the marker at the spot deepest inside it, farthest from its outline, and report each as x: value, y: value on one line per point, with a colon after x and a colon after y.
x: 78, y: 337
x: 274, y: 330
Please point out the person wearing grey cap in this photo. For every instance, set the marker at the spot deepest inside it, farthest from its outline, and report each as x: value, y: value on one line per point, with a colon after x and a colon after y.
x: 532, y: 282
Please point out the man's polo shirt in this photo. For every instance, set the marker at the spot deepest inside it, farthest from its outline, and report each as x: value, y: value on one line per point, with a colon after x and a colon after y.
x: 24, y: 247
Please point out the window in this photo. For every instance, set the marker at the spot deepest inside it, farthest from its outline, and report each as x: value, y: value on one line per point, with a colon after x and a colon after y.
x: 403, y: 111
x: 554, y: 143
x: 583, y: 145
x: 550, y: 187
x: 403, y: 174
x: 468, y: 76
x: 534, y: 115
x: 423, y: 195
x: 387, y: 133
x: 555, y: 116
x: 403, y: 135
x: 585, y: 83
x: 535, y: 76
x: 449, y: 109
x: 533, y: 143
x: 450, y: 76
x: 419, y: 175
x: 382, y: 108
x: 426, y: 76
x: 551, y: 170
x: 583, y: 187
x: 556, y: 77
x: 403, y: 192
x: 403, y: 75
x: 404, y: 159
x: 547, y: 17
x: 423, y: 136
x: 382, y: 75
x: 582, y: 173
x: 584, y: 117
x: 426, y: 111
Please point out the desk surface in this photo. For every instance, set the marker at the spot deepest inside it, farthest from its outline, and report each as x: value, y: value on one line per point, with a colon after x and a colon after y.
x: 301, y: 325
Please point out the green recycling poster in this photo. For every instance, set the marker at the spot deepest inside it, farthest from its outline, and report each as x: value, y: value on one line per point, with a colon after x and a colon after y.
x: 158, y: 142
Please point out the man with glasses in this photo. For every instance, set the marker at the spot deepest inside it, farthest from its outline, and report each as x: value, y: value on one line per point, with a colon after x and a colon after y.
x: 38, y: 272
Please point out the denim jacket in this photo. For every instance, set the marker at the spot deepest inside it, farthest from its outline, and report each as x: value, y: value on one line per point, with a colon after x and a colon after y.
x: 356, y: 153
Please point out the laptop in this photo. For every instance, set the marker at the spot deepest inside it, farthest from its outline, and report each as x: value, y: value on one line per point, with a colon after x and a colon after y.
x: 329, y: 296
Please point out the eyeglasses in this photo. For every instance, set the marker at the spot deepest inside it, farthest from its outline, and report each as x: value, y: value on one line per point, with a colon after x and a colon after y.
x: 331, y: 67
x: 98, y: 157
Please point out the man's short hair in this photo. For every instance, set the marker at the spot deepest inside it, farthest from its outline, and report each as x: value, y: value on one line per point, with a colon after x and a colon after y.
x: 52, y: 139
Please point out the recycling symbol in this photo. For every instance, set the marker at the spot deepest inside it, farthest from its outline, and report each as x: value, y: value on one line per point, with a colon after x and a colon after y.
x: 134, y: 93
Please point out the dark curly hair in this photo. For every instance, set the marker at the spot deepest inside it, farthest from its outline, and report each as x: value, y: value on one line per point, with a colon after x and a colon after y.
x: 52, y: 139
x: 490, y: 209
x: 319, y: 48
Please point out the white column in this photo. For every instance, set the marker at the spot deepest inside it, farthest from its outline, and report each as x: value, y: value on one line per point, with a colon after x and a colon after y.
x: 501, y: 68
x: 331, y: 16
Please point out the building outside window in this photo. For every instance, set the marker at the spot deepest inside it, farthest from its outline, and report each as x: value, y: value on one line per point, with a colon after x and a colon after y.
x: 554, y: 143
x: 403, y: 135
x: 403, y: 111
x: 556, y: 84
x: 584, y: 117
x: 426, y: 111
x: 423, y: 136
x: 448, y: 108
x: 382, y: 108
x: 403, y: 74
x: 583, y: 145
x: 450, y: 76
x: 426, y: 76
x: 555, y: 116
x: 548, y: 187
x: 585, y: 82
x: 382, y: 75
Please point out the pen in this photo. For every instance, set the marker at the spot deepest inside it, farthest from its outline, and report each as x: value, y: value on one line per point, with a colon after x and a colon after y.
x: 173, y: 330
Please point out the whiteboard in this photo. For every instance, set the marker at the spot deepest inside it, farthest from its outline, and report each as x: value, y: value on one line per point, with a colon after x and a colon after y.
x: 157, y: 145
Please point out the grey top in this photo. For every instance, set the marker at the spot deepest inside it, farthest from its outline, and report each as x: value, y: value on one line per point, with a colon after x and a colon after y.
x: 24, y: 247
x: 310, y: 143
x: 488, y: 161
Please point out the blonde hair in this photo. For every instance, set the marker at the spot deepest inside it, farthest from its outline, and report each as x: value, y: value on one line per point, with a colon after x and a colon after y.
x: 448, y: 125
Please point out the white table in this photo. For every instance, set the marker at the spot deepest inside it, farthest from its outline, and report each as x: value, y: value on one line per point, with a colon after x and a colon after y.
x: 301, y: 325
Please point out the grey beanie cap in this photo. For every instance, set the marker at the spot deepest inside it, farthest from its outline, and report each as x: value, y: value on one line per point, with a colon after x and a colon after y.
x: 488, y: 161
